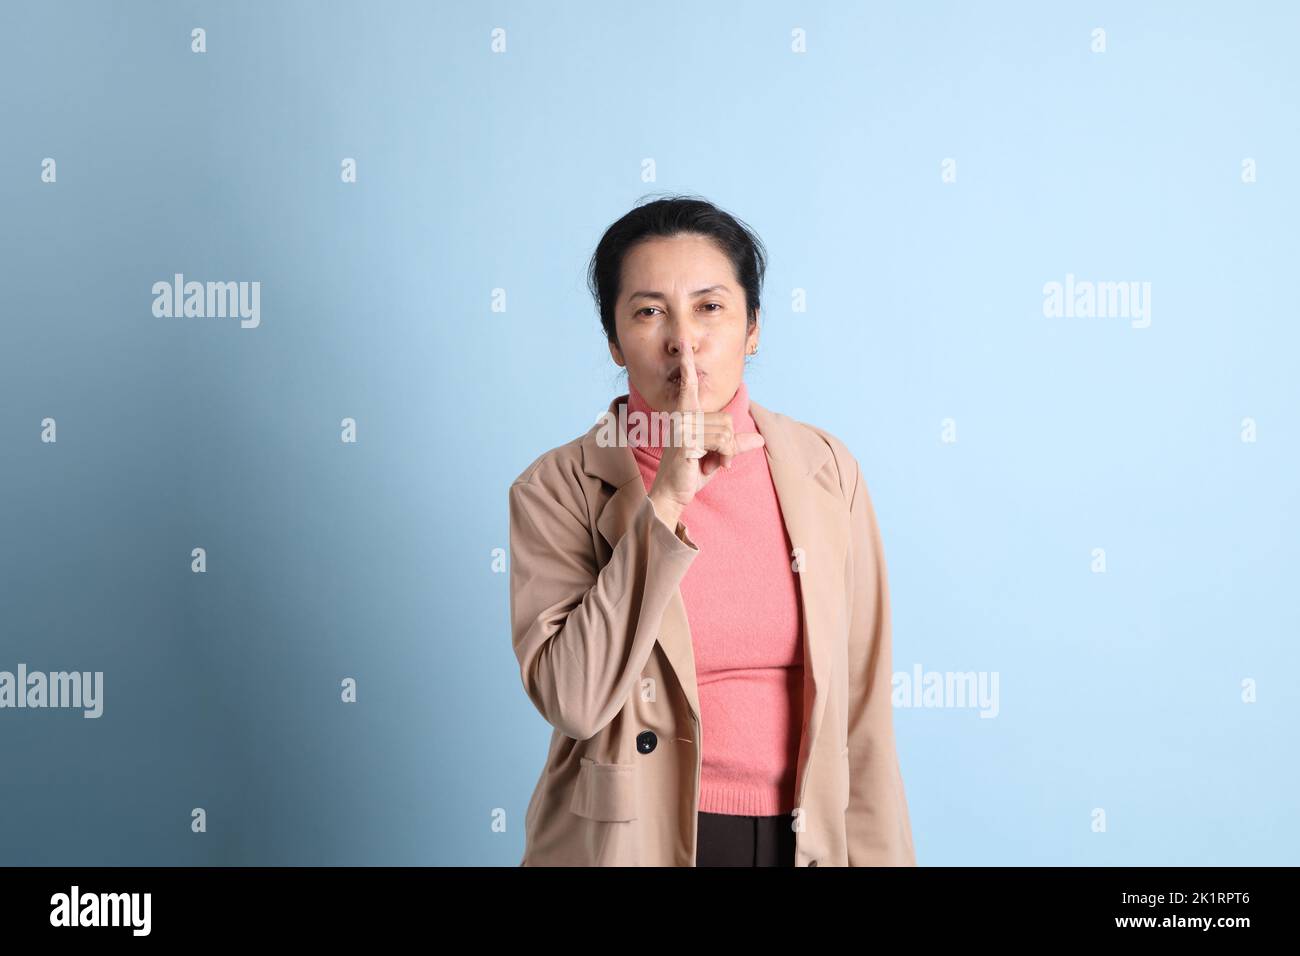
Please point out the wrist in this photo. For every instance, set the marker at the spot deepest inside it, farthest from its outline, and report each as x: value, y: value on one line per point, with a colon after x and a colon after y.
x: 669, y: 512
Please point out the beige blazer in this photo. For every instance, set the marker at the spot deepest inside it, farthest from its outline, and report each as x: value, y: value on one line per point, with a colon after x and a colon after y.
x: 605, y: 654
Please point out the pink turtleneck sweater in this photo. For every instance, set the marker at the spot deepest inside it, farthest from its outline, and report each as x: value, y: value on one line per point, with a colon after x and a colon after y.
x: 742, y: 605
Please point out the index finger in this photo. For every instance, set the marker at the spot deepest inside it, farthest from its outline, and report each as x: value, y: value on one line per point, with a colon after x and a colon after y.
x: 689, y: 400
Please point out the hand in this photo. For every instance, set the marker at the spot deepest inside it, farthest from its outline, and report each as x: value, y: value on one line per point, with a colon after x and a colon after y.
x: 707, y: 441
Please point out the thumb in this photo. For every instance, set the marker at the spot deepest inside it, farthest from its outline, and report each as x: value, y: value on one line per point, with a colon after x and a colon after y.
x: 748, y: 441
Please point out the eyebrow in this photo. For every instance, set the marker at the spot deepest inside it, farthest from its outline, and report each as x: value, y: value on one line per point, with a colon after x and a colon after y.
x: 660, y: 295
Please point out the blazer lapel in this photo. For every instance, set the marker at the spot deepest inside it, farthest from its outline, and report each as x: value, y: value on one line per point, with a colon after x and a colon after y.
x: 816, y: 520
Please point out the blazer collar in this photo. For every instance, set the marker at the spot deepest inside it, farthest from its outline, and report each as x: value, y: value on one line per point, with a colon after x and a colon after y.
x: 816, y: 519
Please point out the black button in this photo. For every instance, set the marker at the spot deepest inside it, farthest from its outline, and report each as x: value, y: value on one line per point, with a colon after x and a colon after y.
x: 812, y: 862
x: 646, y: 740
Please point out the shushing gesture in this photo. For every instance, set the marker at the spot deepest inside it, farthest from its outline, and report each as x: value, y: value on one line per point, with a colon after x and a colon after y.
x: 701, y: 443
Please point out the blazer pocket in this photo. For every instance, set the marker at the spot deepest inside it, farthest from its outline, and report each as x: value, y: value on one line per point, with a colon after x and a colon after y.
x: 605, y: 791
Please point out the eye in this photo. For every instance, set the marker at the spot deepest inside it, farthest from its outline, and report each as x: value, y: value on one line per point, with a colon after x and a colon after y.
x: 718, y: 305
x: 645, y: 309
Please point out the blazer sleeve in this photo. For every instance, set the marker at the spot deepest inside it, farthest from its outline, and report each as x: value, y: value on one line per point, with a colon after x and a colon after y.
x: 878, y: 827
x: 582, y: 634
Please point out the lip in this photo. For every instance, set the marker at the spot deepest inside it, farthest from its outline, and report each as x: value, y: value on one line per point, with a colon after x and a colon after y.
x: 675, y: 376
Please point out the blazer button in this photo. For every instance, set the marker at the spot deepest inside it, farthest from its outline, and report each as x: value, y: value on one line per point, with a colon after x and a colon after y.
x: 812, y: 862
x: 645, y: 741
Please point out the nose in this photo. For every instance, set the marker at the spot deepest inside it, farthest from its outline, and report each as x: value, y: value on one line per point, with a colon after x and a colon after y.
x: 680, y: 339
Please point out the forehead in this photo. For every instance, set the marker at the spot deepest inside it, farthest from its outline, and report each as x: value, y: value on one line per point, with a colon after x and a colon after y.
x: 679, y: 264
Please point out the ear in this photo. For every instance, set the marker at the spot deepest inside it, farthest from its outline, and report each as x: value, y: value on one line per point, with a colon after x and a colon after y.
x: 751, y: 338
x: 616, y: 353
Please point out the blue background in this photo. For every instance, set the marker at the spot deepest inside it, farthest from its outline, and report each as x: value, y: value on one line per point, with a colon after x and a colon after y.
x: 479, y: 171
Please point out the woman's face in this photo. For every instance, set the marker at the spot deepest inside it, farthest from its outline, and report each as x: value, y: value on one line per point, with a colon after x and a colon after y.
x: 681, y: 288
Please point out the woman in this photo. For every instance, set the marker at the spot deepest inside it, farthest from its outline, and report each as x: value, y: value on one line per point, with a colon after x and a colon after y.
x: 702, y: 614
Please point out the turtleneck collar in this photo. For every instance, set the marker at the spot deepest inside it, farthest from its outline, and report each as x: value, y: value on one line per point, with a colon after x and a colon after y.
x: 648, y: 438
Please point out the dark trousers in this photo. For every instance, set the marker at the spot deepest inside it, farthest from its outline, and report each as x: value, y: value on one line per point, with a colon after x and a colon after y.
x: 727, y: 840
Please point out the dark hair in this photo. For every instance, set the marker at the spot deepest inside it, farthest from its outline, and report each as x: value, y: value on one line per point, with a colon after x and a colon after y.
x: 668, y: 217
